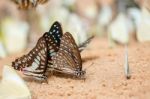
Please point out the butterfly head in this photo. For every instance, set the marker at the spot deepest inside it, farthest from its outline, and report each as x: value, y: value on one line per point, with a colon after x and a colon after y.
x: 80, y: 73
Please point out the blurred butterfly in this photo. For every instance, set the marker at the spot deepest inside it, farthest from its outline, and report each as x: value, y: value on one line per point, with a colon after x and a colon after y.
x: 35, y: 62
x: 68, y: 59
x: 26, y: 4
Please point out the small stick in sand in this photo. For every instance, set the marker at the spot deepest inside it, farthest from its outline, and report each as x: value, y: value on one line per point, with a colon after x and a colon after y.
x: 126, y: 65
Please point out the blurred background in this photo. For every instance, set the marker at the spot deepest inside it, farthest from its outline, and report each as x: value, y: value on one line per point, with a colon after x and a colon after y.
x: 119, y: 21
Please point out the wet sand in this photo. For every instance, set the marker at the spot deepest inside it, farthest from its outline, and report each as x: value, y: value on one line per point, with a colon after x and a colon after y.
x: 105, y: 77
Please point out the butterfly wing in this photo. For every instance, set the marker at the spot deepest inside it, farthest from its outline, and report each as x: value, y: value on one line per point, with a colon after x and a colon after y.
x: 68, y: 44
x: 26, y: 4
x: 35, y: 62
x: 53, y: 38
x: 68, y: 59
x: 63, y: 63
x: 23, y: 4
x: 42, y: 1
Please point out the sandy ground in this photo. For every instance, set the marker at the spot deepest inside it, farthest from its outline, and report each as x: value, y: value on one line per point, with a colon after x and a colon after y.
x: 105, y: 78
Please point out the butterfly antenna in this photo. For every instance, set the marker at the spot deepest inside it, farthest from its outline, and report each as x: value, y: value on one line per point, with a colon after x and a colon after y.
x: 46, y: 81
x: 89, y: 66
x: 85, y: 43
x: 126, y: 65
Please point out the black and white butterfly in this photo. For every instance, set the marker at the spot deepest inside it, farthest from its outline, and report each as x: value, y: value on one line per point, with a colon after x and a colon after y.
x: 35, y: 62
x: 26, y: 4
x: 68, y: 58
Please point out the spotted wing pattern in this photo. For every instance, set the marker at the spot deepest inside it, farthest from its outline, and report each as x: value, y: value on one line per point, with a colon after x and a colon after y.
x: 53, y: 38
x: 68, y: 59
x: 35, y: 62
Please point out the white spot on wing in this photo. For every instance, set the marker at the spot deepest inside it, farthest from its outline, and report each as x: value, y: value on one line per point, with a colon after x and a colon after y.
x: 50, y: 32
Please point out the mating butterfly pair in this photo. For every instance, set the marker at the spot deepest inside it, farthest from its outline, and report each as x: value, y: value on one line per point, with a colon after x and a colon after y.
x: 53, y: 52
x: 26, y: 4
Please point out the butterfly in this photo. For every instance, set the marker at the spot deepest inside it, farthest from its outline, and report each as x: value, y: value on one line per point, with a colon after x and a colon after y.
x: 35, y: 62
x: 50, y: 41
x: 68, y: 59
x: 26, y: 4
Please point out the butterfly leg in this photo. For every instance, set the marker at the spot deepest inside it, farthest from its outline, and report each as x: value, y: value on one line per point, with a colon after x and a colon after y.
x: 50, y: 70
x: 38, y: 75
